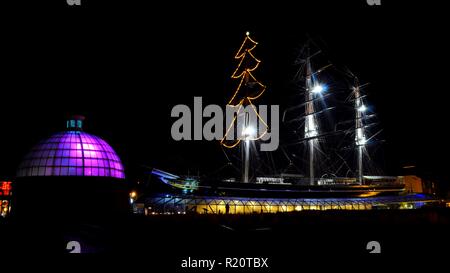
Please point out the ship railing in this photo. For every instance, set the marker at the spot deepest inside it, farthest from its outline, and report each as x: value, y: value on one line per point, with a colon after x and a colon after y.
x: 367, y: 180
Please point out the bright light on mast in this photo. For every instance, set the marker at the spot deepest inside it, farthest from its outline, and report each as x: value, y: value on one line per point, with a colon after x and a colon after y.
x: 362, y: 108
x: 360, y: 137
x: 248, y: 132
x: 318, y: 89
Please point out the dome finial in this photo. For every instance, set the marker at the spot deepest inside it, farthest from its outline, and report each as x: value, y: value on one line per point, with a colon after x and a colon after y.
x: 75, y: 123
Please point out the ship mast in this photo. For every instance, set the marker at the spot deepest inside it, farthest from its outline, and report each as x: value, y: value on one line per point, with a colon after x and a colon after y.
x: 310, y: 123
x: 313, y: 92
x: 313, y: 89
x: 360, y: 138
x: 247, y: 132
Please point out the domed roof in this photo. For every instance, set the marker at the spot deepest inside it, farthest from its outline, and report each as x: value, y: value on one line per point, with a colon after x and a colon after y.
x: 72, y: 153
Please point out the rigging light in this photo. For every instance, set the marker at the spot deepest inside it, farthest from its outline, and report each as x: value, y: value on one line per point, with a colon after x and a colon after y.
x: 362, y: 108
x: 247, y: 33
x: 318, y: 89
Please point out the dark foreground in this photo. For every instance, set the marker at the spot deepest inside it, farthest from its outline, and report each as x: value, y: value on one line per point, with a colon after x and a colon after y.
x: 288, y: 240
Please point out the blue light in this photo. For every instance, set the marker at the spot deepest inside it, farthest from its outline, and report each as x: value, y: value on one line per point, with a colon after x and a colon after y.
x: 319, y: 89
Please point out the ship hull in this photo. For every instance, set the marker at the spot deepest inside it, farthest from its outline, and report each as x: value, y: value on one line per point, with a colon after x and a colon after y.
x: 239, y: 189
x: 220, y: 188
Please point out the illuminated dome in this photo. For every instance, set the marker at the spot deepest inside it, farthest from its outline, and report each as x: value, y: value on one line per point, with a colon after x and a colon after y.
x: 72, y: 153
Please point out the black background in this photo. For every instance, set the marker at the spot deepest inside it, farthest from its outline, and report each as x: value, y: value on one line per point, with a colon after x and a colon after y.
x: 125, y: 64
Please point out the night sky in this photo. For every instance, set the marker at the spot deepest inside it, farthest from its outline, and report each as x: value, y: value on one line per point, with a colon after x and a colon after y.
x: 124, y: 66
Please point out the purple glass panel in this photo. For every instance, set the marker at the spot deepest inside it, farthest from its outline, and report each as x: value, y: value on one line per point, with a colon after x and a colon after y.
x: 72, y: 171
x: 64, y: 171
x: 94, y: 163
x: 72, y: 162
x: 64, y: 162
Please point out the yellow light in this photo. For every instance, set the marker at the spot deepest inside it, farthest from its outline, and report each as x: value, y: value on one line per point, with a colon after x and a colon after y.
x: 247, y: 33
x: 229, y: 128
x: 236, y: 92
x: 369, y: 194
x: 133, y: 194
x: 242, y: 53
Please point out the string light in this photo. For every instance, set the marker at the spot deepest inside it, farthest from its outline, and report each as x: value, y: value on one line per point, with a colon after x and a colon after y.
x: 234, y: 76
x: 238, y: 54
x: 231, y: 126
x: 260, y: 118
x: 237, y: 91
x: 245, y: 75
x: 260, y: 84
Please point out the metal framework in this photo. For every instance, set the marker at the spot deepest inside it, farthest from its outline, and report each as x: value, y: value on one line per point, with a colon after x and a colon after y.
x: 168, y: 204
x: 360, y: 137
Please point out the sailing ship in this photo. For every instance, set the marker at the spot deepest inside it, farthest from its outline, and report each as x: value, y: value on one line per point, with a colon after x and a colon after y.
x: 306, y: 153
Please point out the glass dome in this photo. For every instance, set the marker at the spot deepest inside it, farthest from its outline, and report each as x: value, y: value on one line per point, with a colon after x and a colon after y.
x: 72, y: 153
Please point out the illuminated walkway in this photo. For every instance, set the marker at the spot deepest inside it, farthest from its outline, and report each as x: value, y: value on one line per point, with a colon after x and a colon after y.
x: 172, y: 204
